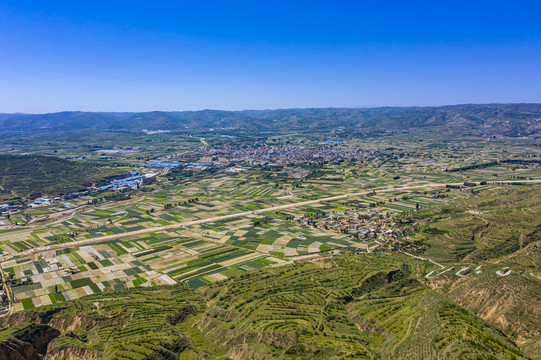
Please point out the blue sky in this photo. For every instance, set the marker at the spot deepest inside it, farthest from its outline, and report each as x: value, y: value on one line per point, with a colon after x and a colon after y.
x: 179, y: 55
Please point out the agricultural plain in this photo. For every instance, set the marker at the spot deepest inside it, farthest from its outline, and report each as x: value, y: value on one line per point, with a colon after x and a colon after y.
x: 273, y: 244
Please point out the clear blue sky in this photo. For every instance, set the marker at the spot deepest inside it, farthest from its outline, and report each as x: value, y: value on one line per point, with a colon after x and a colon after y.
x: 187, y: 55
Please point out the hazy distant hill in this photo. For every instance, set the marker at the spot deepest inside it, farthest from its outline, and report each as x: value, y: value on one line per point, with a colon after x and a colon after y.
x: 188, y: 120
x: 490, y: 119
x: 67, y: 120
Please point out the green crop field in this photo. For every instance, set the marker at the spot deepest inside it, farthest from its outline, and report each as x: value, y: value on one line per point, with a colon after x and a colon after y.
x: 431, y: 250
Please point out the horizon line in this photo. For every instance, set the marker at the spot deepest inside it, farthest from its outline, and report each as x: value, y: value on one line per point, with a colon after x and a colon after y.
x: 275, y: 109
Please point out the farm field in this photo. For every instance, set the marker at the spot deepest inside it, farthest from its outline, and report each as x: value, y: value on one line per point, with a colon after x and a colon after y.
x: 297, y: 270
x: 270, y: 180
x: 198, y: 256
x: 222, y: 198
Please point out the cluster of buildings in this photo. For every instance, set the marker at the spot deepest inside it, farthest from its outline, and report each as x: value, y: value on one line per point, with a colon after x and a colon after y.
x: 260, y: 153
x: 7, y: 209
x: 354, y: 223
x: 197, y: 166
x: 35, y: 200
x: 235, y: 169
x: 163, y: 164
x: 369, y: 225
x: 130, y: 183
x: 263, y: 154
x: 43, y: 201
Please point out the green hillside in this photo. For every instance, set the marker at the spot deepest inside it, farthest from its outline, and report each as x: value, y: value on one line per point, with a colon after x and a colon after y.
x: 23, y: 175
x: 484, y: 227
x: 486, y: 233
x: 351, y: 307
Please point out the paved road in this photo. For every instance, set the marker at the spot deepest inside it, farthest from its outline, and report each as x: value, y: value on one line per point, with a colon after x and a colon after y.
x: 236, y: 215
x: 231, y: 216
x: 213, y: 219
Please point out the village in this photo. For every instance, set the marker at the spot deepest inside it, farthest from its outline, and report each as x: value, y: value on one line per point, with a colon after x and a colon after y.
x: 131, y: 181
x: 263, y: 154
x: 365, y: 225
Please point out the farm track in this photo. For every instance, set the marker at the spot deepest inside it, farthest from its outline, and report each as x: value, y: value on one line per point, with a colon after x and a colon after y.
x: 8, y: 293
x: 231, y: 216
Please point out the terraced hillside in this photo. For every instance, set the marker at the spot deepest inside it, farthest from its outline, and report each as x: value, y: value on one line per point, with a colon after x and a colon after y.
x: 484, y: 227
x: 491, y: 246
x: 353, y: 306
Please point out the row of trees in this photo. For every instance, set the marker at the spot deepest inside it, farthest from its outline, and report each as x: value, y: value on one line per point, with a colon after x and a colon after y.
x: 494, y: 163
x: 189, y: 201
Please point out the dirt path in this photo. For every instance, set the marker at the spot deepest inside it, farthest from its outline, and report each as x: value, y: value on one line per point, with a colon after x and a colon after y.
x: 459, y: 272
x: 204, y: 142
x: 504, y: 272
x: 9, y: 294
x: 8, y: 235
x: 429, y: 275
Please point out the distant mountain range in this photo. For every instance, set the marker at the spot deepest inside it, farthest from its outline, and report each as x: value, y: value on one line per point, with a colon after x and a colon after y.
x: 489, y: 119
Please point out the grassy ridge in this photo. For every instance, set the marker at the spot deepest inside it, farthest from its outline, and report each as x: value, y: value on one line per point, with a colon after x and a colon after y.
x: 325, y: 313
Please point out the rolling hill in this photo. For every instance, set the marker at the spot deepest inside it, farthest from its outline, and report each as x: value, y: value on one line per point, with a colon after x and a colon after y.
x: 489, y: 119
